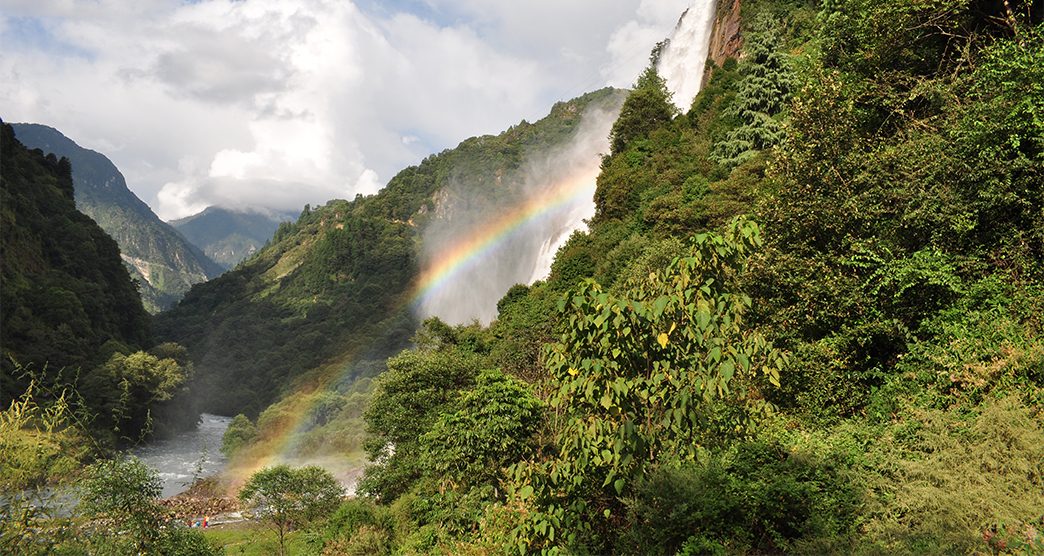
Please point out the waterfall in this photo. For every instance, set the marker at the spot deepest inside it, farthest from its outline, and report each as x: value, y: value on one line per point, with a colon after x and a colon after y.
x: 574, y: 220
x: 477, y: 248
x: 483, y: 241
x: 683, y: 61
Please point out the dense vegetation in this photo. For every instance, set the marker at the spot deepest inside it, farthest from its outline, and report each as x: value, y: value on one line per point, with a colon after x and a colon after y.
x: 854, y: 366
x: 73, y: 384
x: 72, y: 318
x: 332, y: 288
x: 806, y: 318
x: 159, y: 259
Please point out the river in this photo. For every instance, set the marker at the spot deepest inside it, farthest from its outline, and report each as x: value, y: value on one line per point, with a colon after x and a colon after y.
x: 185, y: 456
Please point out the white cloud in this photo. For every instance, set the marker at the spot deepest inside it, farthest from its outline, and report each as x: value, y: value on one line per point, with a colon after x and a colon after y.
x: 274, y: 104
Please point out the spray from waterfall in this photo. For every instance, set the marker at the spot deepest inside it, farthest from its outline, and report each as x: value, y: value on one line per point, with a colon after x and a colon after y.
x: 478, y: 246
x: 483, y: 242
x: 683, y: 61
x: 477, y: 250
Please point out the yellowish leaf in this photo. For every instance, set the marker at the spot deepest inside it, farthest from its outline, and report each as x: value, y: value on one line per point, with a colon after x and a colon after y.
x: 662, y: 339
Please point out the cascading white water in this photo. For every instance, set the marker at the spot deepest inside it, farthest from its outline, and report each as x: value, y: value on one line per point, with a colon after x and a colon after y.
x: 683, y: 61
x: 524, y: 253
x: 573, y: 220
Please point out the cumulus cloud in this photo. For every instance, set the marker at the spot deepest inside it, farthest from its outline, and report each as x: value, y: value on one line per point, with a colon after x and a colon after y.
x: 273, y: 104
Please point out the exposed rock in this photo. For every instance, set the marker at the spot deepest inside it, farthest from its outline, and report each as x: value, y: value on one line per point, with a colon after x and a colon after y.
x: 726, y: 39
x: 206, y: 498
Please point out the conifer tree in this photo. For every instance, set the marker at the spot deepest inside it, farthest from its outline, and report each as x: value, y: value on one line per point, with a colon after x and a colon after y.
x: 646, y: 108
x: 763, y: 93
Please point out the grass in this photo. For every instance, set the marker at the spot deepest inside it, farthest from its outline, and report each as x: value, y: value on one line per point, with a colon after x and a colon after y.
x: 253, y: 539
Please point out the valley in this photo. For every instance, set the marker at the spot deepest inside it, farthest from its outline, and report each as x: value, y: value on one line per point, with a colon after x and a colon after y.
x: 781, y: 295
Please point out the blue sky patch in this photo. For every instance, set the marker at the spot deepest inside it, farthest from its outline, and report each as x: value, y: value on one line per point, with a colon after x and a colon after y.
x: 35, y: 33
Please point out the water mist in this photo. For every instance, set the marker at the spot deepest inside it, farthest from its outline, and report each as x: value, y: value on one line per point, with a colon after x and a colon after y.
x: 480, y: 243
x: 507, y: 236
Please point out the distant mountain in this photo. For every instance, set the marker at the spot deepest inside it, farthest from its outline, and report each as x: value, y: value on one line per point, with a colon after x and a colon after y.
x: 163, y: 262
x: 227, y: 236
x: 66, y: 298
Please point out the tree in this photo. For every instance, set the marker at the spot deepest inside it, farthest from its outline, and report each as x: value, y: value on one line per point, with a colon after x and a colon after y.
x: 239, y: 433
x: 646, y: 108
x: 123, y: 491
x: 650, y: 376
x: 491, y: 428
x: 287, y: 498
x: 127, y: 387
x: 417, y: 387
x: 763, y: 93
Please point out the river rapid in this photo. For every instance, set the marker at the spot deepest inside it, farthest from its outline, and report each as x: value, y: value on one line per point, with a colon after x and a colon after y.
x: 188, y: 455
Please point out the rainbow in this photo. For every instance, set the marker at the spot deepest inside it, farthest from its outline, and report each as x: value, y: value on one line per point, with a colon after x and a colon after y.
x: 485, y: 238
x: 481, y: 242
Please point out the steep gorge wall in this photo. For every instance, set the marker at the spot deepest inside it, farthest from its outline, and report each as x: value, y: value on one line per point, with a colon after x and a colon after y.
x: 726, y: 39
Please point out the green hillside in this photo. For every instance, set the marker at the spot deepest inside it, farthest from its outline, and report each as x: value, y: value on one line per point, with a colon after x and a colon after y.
x: 335, y: 284
x: 226, y: 236
x: 72, y: 318
x: 806, y: 319
x: 160, y: 259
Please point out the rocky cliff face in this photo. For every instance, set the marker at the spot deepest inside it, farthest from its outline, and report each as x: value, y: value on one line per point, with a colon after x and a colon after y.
x: 726, y: 39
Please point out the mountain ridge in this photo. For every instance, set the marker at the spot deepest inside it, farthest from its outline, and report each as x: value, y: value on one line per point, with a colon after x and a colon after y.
x: 164, y: 263
x: 228, y: 236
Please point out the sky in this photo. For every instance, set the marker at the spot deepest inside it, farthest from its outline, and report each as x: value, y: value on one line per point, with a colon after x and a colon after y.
x: 271, y: 104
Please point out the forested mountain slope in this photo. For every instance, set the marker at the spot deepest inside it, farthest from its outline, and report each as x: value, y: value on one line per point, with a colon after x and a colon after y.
x: 227, y: 236
x: 337, y: 283
x: 158, y: 257
x: 65, y: 292
x: 72, y: 319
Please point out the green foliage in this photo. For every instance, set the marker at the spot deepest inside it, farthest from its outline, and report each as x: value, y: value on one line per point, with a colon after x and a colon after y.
x: 410, y: 396
x: 126, y: 387
x: 179, y: 541
x: 758, y: 496
x: 358, y: 527
x: 951, y: 483
x: 120, y: 494
x: 491, y: 428
x: 286, y: 498
x: 240, y: 432
x: 647, y: 107
x: 39, y: 443
x: 762, y: 94
x: 521, y: 328
x: 40, y: 447
x: 638, y: 369
x: 647, y: 378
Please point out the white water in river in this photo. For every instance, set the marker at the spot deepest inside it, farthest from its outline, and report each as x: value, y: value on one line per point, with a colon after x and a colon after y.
x: 185, y: 456
x: 683, y: 61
